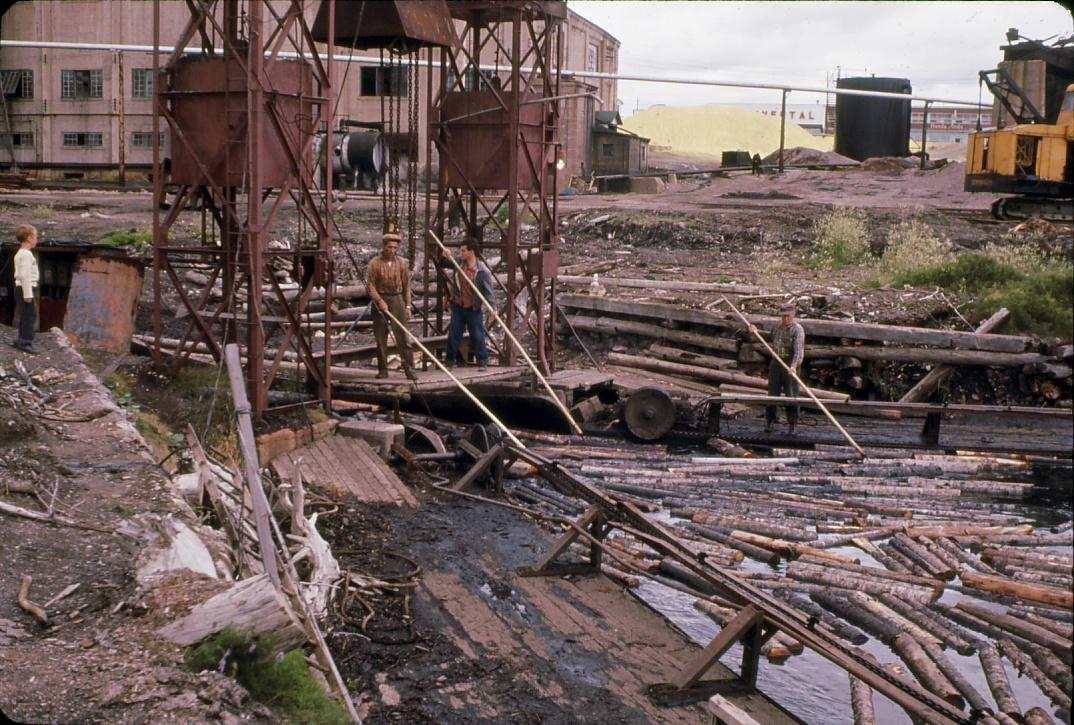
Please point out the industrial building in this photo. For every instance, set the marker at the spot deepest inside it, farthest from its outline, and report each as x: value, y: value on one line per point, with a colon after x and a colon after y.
x: 88, y: 112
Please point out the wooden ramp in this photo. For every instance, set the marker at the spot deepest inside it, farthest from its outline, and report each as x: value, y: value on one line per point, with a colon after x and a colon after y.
x: 341, y: 466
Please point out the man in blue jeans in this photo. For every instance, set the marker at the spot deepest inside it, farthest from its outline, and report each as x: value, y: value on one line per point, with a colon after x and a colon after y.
x: 466, y: 306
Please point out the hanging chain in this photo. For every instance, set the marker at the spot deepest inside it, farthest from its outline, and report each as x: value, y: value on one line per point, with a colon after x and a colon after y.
x: 412, y: 156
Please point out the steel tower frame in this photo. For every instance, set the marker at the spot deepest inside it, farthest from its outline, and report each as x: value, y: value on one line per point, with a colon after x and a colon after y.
x: 237, y: 218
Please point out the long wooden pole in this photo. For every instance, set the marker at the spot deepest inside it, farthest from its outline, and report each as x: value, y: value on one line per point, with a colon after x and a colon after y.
x: 507, y: 331
x: 756, y: 333
x: 463, y: 388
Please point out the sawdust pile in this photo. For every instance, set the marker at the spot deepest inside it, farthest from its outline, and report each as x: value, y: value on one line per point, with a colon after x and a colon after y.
x: 711, y: 129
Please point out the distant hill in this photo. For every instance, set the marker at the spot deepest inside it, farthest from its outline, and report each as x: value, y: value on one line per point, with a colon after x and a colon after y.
x: 712, y: 129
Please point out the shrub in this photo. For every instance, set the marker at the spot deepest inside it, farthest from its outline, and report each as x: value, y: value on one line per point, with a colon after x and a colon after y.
x: 44, y: 211
x: 140, y: 242
x: 282, y: 683
x: 968, y: 273
x: 842, y: 239
x: 912, y: 246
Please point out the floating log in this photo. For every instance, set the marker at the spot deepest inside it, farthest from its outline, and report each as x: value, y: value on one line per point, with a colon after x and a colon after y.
x: 252, y: 604
x: 776, y: 649
x: 969, y: 693
x: 936, y: 627
x: 877, y: 553
x: 861, y: 570
x: 925, y: 670
x: 963, y: 556
x: 724, y: 537
x: 1021, y: 590
x: 837, y: 603
x: 855, y: 582
x: 1061, y: 629
x: 1026, y: 666
x: 807, y: 606
x: 888, y: 615
x: 861, y: 702
x: 752, y: 526
x: 1037, y: 716
x: 921, y: 556
x: 998, y: 682
x: 620, y: 577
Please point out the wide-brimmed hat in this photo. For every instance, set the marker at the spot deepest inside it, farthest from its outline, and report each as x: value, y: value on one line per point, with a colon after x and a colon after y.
x: 787, y: 307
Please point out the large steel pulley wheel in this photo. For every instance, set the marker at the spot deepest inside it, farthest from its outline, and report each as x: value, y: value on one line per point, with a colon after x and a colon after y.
x: 649, y: 414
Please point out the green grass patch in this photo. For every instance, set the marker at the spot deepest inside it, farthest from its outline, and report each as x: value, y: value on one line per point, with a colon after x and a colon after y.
x: 1040, y: 298
x: 139, y: 242
x: 284, y: 684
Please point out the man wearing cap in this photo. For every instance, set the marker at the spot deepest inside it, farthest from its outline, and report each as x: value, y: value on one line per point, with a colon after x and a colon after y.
x: 388, y: 281
x: 788, y: 340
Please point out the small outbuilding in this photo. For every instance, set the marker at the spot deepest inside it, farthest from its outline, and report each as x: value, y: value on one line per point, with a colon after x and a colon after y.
x: 90, y: 291
x: 615, y: 150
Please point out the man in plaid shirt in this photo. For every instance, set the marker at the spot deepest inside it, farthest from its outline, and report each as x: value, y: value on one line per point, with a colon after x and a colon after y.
x: 788, y: 340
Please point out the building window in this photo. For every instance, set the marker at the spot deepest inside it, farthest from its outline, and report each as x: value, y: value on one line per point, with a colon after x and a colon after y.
x: 19, y: 139
x: 78, y: 84
x: 381, y: 81
x: 592, y: 56
x: 18, y: 83
x: 142, y: 82
x: 82, y: 140
x: 607, y: 150
x: 144, y: 139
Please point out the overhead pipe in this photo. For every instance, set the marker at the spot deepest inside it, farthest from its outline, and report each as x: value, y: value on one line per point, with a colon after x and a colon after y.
x: 58, y: 45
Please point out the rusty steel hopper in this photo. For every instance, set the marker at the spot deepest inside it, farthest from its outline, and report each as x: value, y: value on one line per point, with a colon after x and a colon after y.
x: 403, y: 25
x: 213, y: 119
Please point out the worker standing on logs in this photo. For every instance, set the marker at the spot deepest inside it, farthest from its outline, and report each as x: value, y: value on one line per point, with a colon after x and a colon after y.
x: 788, y: 341
x: 467, y: 311
x: 388, y: 281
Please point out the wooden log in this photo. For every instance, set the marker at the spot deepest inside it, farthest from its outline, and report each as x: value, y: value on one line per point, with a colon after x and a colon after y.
x: 927, y: 385
x: 620, y: 577
x: 998, y: 682
x: 1054, y: 667
x: 904, y: 561
x: 969, y: 693
x: 854, y: 582
x: 925, y: 670
x: 614, y: 326
x: 887, y: 614
x: 922, y: 556
x: 1056, y: 614
x: 1026, y: 630
x: 674, y: 354
x: 872, y: 571
x: 665, y: 284
x: 691, y: 371
x: 252, y: 604
x: 840, y: 605
x: 1037, y: 716
x: 963, y: 556
x: 724, y: 537
x: 877, y: 553
x: 1061, y: 629
x: 1026, y: 666
x: 1021, y: 590
x: 752, y: 526
x: 861, y: 702
x: 937, y: 628
x: 943, y: 555
x: 835, y: 624
x: 891, y: 334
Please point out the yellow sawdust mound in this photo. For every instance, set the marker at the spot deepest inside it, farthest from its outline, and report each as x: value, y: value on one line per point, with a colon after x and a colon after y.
x: 712, y: 129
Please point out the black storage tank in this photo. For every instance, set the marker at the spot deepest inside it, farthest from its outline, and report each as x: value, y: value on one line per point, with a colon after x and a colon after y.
x: 867, y: 126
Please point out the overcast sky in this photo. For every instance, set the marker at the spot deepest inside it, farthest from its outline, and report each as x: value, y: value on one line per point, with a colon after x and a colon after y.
x: 939, y: 46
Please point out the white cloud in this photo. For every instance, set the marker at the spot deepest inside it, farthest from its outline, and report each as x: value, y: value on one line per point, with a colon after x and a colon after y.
x: 939, y: 46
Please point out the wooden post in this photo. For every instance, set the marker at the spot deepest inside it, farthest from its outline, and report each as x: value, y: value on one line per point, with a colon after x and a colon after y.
x: 728, y: 636
x: 805, y: 387
x: 250, y: 462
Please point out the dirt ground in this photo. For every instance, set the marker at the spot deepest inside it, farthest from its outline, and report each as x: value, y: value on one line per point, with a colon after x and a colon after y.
x: 97, y: 661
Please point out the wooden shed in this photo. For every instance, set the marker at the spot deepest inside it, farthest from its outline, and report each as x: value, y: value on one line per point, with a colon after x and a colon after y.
x: 616, y: 150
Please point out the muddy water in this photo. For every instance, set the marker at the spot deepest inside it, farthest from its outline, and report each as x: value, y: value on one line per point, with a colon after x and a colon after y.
x: 818, y: 691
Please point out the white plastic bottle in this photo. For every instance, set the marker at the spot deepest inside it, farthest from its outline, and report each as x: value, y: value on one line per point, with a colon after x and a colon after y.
x: 594, y: 285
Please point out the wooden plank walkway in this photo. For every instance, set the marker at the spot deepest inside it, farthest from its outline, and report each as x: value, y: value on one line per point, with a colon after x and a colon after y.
x: 341, y: 466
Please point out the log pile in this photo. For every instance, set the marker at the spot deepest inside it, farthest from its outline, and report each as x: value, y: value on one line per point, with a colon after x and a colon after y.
x: 840, y: 355
x: 865, y: 547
